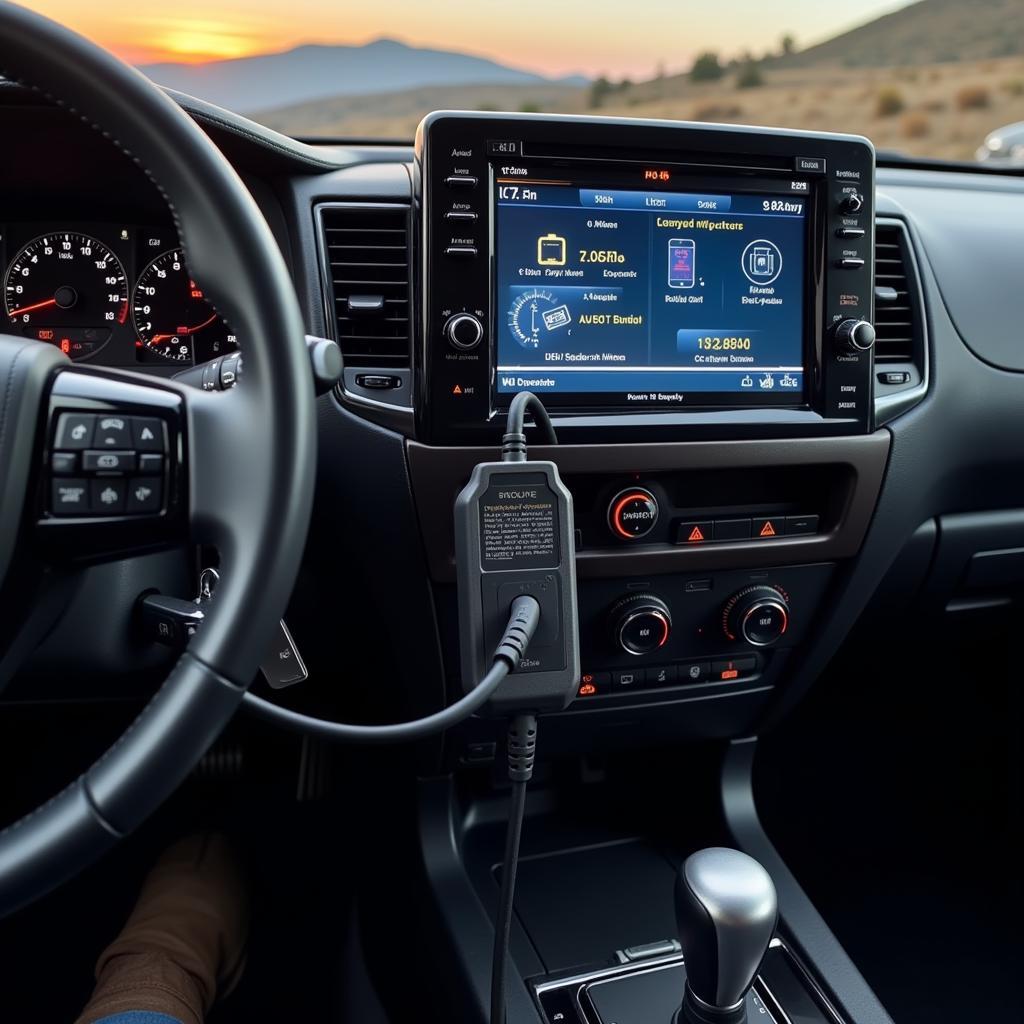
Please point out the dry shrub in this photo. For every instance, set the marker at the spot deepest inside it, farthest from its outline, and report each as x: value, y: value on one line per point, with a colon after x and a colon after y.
x: 888, y: 102
x: 915, y: 125
x: 972, y: 97
x: 716, y: 112
x: 1014, y: 86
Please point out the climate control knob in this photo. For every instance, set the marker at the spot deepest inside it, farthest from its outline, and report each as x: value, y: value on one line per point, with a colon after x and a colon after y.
x: 641, y: 623
x: 464, y: 331
x: 855, y: 336
x: 758, y: 615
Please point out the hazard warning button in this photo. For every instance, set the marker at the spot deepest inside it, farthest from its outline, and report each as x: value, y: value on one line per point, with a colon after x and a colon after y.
x: 766, y: 529
x: 695, y: 533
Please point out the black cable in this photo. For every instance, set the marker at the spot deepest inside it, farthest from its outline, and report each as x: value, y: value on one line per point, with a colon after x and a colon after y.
x: 522, y: 624
x: 513, y: 444
x: 522, y: 745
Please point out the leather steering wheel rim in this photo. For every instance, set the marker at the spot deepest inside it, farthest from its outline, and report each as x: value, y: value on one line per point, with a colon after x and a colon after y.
x: 252, y: 500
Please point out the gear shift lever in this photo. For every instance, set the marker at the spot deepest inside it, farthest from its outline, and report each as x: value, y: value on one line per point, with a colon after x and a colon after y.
x: 726, y: 911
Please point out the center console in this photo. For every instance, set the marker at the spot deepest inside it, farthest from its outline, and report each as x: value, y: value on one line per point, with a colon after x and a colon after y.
x: 640, y: 276
x: 682, y: 298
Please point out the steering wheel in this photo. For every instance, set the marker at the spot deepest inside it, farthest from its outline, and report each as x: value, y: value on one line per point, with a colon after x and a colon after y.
x: 238, y: 465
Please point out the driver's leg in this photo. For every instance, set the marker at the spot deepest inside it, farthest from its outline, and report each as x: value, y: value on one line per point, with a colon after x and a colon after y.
x: 182, y: 946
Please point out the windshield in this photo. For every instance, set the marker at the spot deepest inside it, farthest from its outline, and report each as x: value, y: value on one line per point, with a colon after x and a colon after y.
x: 936, y: 78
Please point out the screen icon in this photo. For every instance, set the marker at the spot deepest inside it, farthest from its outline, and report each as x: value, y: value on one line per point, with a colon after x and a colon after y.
x: 557, y: 317
x: 761, y: 261
x: 551, y: 250
x: 681, y: 254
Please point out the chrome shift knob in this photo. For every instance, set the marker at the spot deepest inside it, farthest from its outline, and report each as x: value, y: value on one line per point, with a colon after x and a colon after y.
x: 726, y: 911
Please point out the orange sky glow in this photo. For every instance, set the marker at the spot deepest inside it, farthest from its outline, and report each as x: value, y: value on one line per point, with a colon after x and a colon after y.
x: 589, y: 36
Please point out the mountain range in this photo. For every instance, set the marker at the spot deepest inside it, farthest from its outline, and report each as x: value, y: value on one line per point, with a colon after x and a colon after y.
x: 315, y: 72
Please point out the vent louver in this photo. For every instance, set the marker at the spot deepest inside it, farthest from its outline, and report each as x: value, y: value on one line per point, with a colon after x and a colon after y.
x: 366, y: 256
x: 897, y: 309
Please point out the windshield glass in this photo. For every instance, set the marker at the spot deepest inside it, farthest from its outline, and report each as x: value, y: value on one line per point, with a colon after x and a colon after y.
x: 936, y: 78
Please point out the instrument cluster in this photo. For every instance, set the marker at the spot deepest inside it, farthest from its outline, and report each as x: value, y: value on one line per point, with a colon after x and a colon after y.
x: 119, y: 295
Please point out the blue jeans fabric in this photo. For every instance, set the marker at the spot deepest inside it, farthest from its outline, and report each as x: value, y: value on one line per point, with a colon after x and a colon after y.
x: 139, y: 1017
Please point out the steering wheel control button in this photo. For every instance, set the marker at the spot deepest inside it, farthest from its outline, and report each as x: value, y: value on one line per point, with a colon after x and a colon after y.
x: 147, y: 434
x: 732, y: 529
x: 768, y: 528
x: 106, y: 495
x: 801, y: 526
x: 70, y: 498
x: 151, y: 464
x: 641, y: 624
x: 112, y: 432
x: 108, y: 462
x: 632, y: 513
x: 758, y: 615
x: 143, y: 495
x: 63, y: 463
x: 699, y: 532
x: 75, y: 430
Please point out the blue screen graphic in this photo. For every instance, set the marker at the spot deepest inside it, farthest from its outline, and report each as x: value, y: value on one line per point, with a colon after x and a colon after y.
x: 652, y: 296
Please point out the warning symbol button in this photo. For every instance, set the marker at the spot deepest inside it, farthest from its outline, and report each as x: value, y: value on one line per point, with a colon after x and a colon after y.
x: 695, y: 533
x: 765, y: 529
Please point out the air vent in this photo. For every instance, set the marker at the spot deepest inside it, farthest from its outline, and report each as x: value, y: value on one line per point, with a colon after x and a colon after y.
x: 366, y: 259
x: 897, y: 309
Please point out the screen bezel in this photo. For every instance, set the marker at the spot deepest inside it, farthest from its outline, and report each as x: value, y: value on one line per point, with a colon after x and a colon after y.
x: 627, y: 175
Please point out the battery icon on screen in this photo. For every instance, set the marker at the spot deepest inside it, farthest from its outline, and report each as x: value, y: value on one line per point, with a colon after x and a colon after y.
x: 551, y: 250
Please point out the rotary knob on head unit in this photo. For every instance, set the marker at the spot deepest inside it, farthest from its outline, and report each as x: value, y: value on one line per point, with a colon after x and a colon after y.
x: 758, y: 615
x: 641, y: 623
x: 852, y: 202
x: 463, y: 330
x: 632, y: 513
x: 855, y: 336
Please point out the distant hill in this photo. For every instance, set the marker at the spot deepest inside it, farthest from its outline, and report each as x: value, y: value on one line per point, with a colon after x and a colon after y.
x: 927, y: 32
x: 309, y: 73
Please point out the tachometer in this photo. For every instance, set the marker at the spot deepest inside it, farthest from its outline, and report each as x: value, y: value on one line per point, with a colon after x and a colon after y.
x: 67, y: 289
x: 173, y: 319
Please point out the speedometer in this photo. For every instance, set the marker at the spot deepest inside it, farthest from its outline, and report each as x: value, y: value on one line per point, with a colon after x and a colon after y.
x: 173, y: 319
x: 67, y: 289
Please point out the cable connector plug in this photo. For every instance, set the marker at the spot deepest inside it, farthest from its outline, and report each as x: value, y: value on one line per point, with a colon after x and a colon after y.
x: 522, y: 747
x: 522, y: 624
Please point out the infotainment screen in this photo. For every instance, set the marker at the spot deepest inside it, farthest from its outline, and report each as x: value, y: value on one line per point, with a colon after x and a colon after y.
x: 639, y: 297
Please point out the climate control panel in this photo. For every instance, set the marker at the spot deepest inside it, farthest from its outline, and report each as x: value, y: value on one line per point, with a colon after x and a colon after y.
x: 717, y: 632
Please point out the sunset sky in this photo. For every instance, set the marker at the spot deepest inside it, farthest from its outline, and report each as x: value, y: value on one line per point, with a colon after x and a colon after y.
x: 550, y: 36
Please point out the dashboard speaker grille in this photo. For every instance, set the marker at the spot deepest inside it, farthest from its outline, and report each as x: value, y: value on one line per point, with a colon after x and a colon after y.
x: 897, y: 306
x: 367, y: 267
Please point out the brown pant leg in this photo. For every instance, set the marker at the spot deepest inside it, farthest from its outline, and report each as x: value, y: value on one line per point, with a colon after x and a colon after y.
x: 145, y: 981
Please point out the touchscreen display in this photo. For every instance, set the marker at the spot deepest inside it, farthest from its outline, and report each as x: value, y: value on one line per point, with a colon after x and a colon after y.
x: 631, y: 297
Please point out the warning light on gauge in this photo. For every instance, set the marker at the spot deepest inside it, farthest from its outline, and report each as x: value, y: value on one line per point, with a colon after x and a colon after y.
x: 44, y: 335
x: 656, y: 174
x: 587, y: 690
x: 65, y: 345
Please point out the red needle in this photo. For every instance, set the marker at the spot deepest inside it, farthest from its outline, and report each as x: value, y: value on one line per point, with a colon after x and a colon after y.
x: 157, y: 338
x: 29, y: 309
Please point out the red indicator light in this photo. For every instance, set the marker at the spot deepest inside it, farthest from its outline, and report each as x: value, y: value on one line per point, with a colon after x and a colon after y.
x: 656, y: 174
x: 65, y: 345
x: 587, y: 690
x: 730, y: 673
x: 456, y: 390
x: 44, y: 335
x: 696, y: 535
x: 768, y: 530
